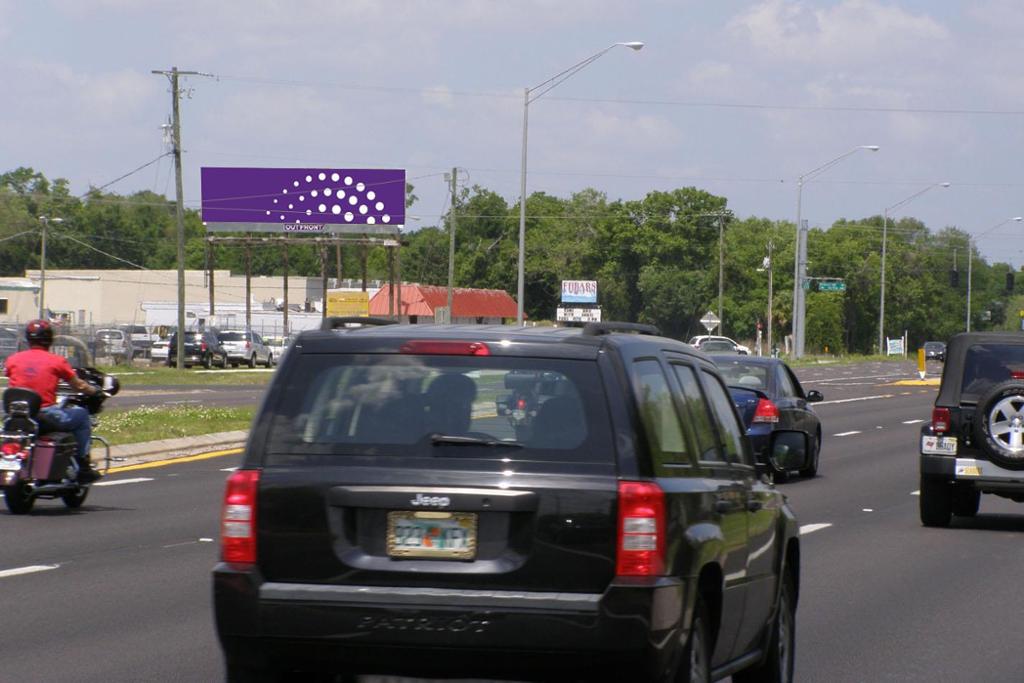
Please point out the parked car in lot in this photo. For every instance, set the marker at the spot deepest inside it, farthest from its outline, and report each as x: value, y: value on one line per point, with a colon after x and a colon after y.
x: 159, y: 350
x: 935, y: 350
x: 278, y: 346
x: 202, y: 347
x: 974, y: 443
x: 115, y: 344
x: 384, y: 520
x: 718, y: 344
x: 141, y: 339
x: 769, y: 398
x: 245, y: 346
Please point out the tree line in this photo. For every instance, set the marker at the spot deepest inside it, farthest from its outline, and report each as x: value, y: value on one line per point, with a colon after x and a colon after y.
x: 655, y: 259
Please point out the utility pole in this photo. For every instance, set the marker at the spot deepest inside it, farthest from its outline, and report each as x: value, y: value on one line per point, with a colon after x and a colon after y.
x: 771, y: 266
x: 45, y: 220
x: 721, y: 249
x: 451, y: 244
x: 179, y: 204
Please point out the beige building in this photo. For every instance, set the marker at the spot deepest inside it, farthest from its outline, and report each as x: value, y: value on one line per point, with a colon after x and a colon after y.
x: 105, y: 297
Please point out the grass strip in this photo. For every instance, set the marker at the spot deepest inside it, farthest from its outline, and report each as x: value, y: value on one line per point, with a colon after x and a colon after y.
x: 152, y: 423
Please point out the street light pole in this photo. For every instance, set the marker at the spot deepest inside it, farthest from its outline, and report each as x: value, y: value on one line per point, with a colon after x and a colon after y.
x: 531, y: 95
x: 45, y: 220
x: 885, y: 230
x: 799, y: 257
x: 971, y: 242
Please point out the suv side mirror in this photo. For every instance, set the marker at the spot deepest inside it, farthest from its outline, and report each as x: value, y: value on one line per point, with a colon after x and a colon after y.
x: 813, y: 396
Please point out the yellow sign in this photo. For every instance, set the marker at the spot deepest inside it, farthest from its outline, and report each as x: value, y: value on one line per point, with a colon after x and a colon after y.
x: 348, y: 303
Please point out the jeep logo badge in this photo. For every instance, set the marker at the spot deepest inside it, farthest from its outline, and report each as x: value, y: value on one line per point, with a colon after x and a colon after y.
x: 431, y: 501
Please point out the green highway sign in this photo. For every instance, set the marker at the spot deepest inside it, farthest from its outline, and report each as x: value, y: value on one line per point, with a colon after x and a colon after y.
x: 831, y: 286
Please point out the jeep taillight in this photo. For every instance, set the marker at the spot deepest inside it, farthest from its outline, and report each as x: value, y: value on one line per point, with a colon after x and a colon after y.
x: 940, y: 420
x: 238, y: 518
x: 202, y: 346
x: 641, y: 529
x: 766, y: 411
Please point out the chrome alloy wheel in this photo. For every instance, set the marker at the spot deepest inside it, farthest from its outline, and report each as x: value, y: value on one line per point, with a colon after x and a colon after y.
x: 1006, y: 425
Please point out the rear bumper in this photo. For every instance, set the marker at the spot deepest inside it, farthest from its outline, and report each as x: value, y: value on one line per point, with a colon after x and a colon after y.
x: 630, y: 632
x: 982, y: 474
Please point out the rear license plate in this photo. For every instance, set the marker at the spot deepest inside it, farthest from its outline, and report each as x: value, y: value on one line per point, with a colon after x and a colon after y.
x: 938, y: 445
x: 10, y: 465
x: 421, y: 533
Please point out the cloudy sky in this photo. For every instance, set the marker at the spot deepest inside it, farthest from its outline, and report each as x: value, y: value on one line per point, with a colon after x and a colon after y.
x: 737, y: 97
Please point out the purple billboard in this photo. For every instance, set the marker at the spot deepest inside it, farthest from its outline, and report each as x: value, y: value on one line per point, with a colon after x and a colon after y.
x: 352, y: 200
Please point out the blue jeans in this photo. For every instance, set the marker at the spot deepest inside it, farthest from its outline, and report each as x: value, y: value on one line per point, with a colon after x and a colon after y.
x: 73, y: 419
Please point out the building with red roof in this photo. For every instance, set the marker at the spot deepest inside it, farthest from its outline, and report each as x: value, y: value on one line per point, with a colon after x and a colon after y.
x: 419, y: 303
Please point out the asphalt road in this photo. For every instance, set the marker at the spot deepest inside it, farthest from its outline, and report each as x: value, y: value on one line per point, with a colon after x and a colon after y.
x: 119, y: 591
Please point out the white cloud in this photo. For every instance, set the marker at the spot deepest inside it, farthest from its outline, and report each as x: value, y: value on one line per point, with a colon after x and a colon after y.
x: 848, y: 33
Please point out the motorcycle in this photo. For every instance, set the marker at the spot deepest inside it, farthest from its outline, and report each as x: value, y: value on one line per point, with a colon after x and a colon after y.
x: 36, y: 460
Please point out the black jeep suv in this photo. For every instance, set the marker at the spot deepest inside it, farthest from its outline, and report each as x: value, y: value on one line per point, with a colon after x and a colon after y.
x: 975, y: 441
x: 385, y: 518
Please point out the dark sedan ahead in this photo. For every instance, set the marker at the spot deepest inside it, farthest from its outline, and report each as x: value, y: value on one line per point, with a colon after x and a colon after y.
x: 935, y: 350
x: 769, y: 397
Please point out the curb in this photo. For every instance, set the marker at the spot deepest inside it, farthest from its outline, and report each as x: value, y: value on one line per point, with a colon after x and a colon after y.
x: 167, y: 449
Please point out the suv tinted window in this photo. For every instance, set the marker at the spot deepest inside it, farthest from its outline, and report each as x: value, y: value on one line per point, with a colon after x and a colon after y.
x: 398, y: 405
x: 989, y: 364
x: 696, y: 407
x: 661, y: 421
x: 233, y: 336
x: 721, y: 404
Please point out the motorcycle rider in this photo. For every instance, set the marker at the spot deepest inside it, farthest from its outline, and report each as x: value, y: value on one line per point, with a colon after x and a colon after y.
x: 39, y: 370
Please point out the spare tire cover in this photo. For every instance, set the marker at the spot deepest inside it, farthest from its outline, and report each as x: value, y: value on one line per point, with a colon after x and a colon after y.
x: 999, y: 424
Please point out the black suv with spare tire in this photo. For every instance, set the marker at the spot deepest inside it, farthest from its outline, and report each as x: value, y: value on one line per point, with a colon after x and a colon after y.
x: 974, y: 443
x: 386, y: 519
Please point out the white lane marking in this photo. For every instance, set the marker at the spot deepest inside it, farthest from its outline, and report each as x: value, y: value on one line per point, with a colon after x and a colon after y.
x: 811, y: 528
x: 206, y: 540
x: 847, y: 433
x: 915, y: 493
x: 27, y: 570
x: 229, y: 469
x: 868, y: 510
x: 851, y: 400
x: 912, y: 422
x: 137, y: 480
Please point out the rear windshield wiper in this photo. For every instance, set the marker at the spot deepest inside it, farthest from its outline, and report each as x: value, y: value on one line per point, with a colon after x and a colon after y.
x: 451, y: 440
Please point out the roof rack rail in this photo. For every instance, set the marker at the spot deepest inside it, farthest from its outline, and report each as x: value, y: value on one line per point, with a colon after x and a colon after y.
x: 597, y: 329
x: 334, y: 322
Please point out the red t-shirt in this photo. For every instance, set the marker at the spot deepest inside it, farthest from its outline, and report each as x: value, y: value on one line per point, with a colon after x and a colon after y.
x: 38, y: 370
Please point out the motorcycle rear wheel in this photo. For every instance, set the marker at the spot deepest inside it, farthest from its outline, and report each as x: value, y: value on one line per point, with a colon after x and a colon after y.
x: 74, y: 499
x: 18, y: 499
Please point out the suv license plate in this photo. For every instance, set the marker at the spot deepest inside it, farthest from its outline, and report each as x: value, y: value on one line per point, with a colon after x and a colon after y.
x: 10, y: 465
x: 938, y: 445
x: 444, y: 535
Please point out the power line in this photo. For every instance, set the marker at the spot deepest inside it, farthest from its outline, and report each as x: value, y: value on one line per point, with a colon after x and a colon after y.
x: 605, y: 100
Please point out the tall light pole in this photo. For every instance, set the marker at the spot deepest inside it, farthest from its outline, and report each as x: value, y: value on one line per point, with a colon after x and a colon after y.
x: 970, y: 260
x: 530, y: 95
x: 45, y: 220
x: 800, y: 249
x: 885, y: 231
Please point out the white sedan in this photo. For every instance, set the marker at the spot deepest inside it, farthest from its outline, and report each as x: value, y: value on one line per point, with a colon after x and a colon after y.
x: 159, y: 350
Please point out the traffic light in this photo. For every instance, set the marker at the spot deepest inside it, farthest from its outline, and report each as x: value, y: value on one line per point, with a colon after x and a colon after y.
x: 954, y: 278
x: 1009, y: 282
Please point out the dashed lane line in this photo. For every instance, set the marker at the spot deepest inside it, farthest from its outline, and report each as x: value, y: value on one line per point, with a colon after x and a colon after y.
x: 31, y: 569
x: 811, y: 528
x: 116, y: 482
x: 847, y: 433
x: 851, y: 400
x: 912, y: 422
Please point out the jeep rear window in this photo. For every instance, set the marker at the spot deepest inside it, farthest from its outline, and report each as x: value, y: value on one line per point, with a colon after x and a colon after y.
x: 988, y: 364
x: 401, y: 404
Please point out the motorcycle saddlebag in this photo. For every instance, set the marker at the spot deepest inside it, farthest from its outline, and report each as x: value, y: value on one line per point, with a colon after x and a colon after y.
x: 52, y: 456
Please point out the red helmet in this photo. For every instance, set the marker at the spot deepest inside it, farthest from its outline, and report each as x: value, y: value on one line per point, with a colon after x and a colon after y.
x: 39, y: 333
